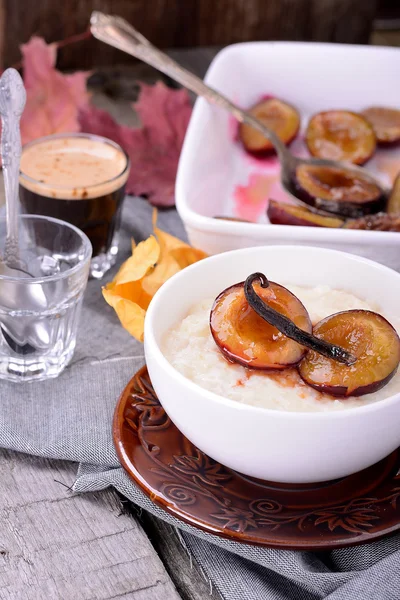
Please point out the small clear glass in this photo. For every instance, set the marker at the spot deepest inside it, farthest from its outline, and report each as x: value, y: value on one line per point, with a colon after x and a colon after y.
x: 39, y: 311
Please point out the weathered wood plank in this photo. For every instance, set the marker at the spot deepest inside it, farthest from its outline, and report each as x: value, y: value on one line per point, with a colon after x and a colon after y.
x: 341, y: 21
x: 188, y: 578
x: 2, y: 30
x: 62, y: 547
x: 182, y: 23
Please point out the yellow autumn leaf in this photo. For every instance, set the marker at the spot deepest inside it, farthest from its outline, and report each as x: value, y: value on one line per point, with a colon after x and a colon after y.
x: 131, y: 316
x: 132, y: 290
x: 110, y: 296
x: 166, y: 267
x: 153, y: 261
x: 144, y: 257
x: 187, y: 256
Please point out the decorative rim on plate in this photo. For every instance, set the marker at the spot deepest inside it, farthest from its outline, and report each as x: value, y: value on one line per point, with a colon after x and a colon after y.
x: 185, y: 482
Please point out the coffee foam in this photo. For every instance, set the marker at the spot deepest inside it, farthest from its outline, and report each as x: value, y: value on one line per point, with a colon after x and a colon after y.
x: 73, y: 168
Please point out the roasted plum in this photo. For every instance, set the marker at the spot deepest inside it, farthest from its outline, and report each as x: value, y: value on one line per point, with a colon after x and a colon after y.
x: 280, y: 213
x: 246, y: 338
x: 393, y: 205
x: 385, y: 122
x: 370, y: 338
x: 340, y: 191
x: 341, y: 135
x: 279, y: 116
x: 288, y: 327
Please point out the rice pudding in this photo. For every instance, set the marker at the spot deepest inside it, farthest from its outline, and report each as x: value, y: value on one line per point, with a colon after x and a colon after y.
x: 190, y: 348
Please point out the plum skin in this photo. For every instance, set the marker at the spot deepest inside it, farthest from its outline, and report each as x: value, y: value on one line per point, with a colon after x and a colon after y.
x: 269, y: 152
x: 387, y: 135
x: 320, y: 123
x: 267, y: 149
x: 344, y: 208
x: 298, y: 350
x: 343, y: 391
x: 235, y: 359
x: 288, y: 214
x: 393, y: 205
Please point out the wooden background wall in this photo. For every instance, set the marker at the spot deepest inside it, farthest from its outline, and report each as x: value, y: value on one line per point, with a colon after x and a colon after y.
x: 177, y: 23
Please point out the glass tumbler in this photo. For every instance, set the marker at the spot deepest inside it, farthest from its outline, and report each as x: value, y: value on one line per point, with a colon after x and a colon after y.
x: 40, y: 307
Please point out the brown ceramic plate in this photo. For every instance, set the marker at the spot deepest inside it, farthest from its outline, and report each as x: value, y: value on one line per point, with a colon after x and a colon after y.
x: 194, y: 488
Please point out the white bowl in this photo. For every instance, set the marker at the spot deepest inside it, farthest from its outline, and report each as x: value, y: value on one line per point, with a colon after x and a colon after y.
x: 312, y: 77
x: 270, y: 444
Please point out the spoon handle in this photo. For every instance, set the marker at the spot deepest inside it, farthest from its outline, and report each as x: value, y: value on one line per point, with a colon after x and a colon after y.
x: 12, y: 103
x: 117, y: 32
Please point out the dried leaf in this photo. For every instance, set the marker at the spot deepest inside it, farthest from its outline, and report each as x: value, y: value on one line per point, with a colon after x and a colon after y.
x: 154, y: 149
x: 174, y: 256
x: 187, y: 256
x: 59, y: 103
x: 130, y: 314
x: 163, y: 271
x: 153, y: 261
x: 53, y: 99
x: 143, y: 259
x: 126, y: 294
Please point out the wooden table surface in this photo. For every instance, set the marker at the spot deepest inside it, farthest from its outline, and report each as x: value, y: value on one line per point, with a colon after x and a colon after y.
x: 59, y: 546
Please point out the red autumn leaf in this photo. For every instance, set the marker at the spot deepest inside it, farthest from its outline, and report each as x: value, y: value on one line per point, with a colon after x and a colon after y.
x: 59, y: 103
x: 53, y: 99
x: 154, y: 149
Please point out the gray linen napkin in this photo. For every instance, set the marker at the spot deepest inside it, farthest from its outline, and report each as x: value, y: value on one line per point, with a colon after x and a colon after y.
x: 70, y: 418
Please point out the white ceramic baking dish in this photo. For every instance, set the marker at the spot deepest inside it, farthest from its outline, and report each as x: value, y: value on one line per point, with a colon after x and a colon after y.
x: 214, y: 170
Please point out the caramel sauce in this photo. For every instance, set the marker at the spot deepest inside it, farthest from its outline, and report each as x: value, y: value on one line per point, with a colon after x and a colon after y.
x: 350, y: 187
x: 245, y: 337
x: 340, y: 135
x: 246, y: 377
x: 288, y: 378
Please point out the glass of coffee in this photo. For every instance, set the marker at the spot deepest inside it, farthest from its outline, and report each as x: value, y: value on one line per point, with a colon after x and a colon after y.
x: 79, y: 178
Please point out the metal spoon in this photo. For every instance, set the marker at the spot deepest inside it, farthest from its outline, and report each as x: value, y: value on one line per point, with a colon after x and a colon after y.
x: 117, y: 32
x: 12, y: 104
x: 22, y: 334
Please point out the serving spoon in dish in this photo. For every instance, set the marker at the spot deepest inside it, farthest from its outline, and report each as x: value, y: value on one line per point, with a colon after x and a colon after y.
x: 322, y: 185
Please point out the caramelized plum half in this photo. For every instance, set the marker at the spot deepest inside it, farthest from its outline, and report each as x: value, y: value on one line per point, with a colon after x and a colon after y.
x: 279, y: 116
x: 393, y: 205
x: 370, y: 338
x: 245, y: 338
x: 288, y: 214
x: 341, y: 135
x: 340, y: 191
x: 385, y: 122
